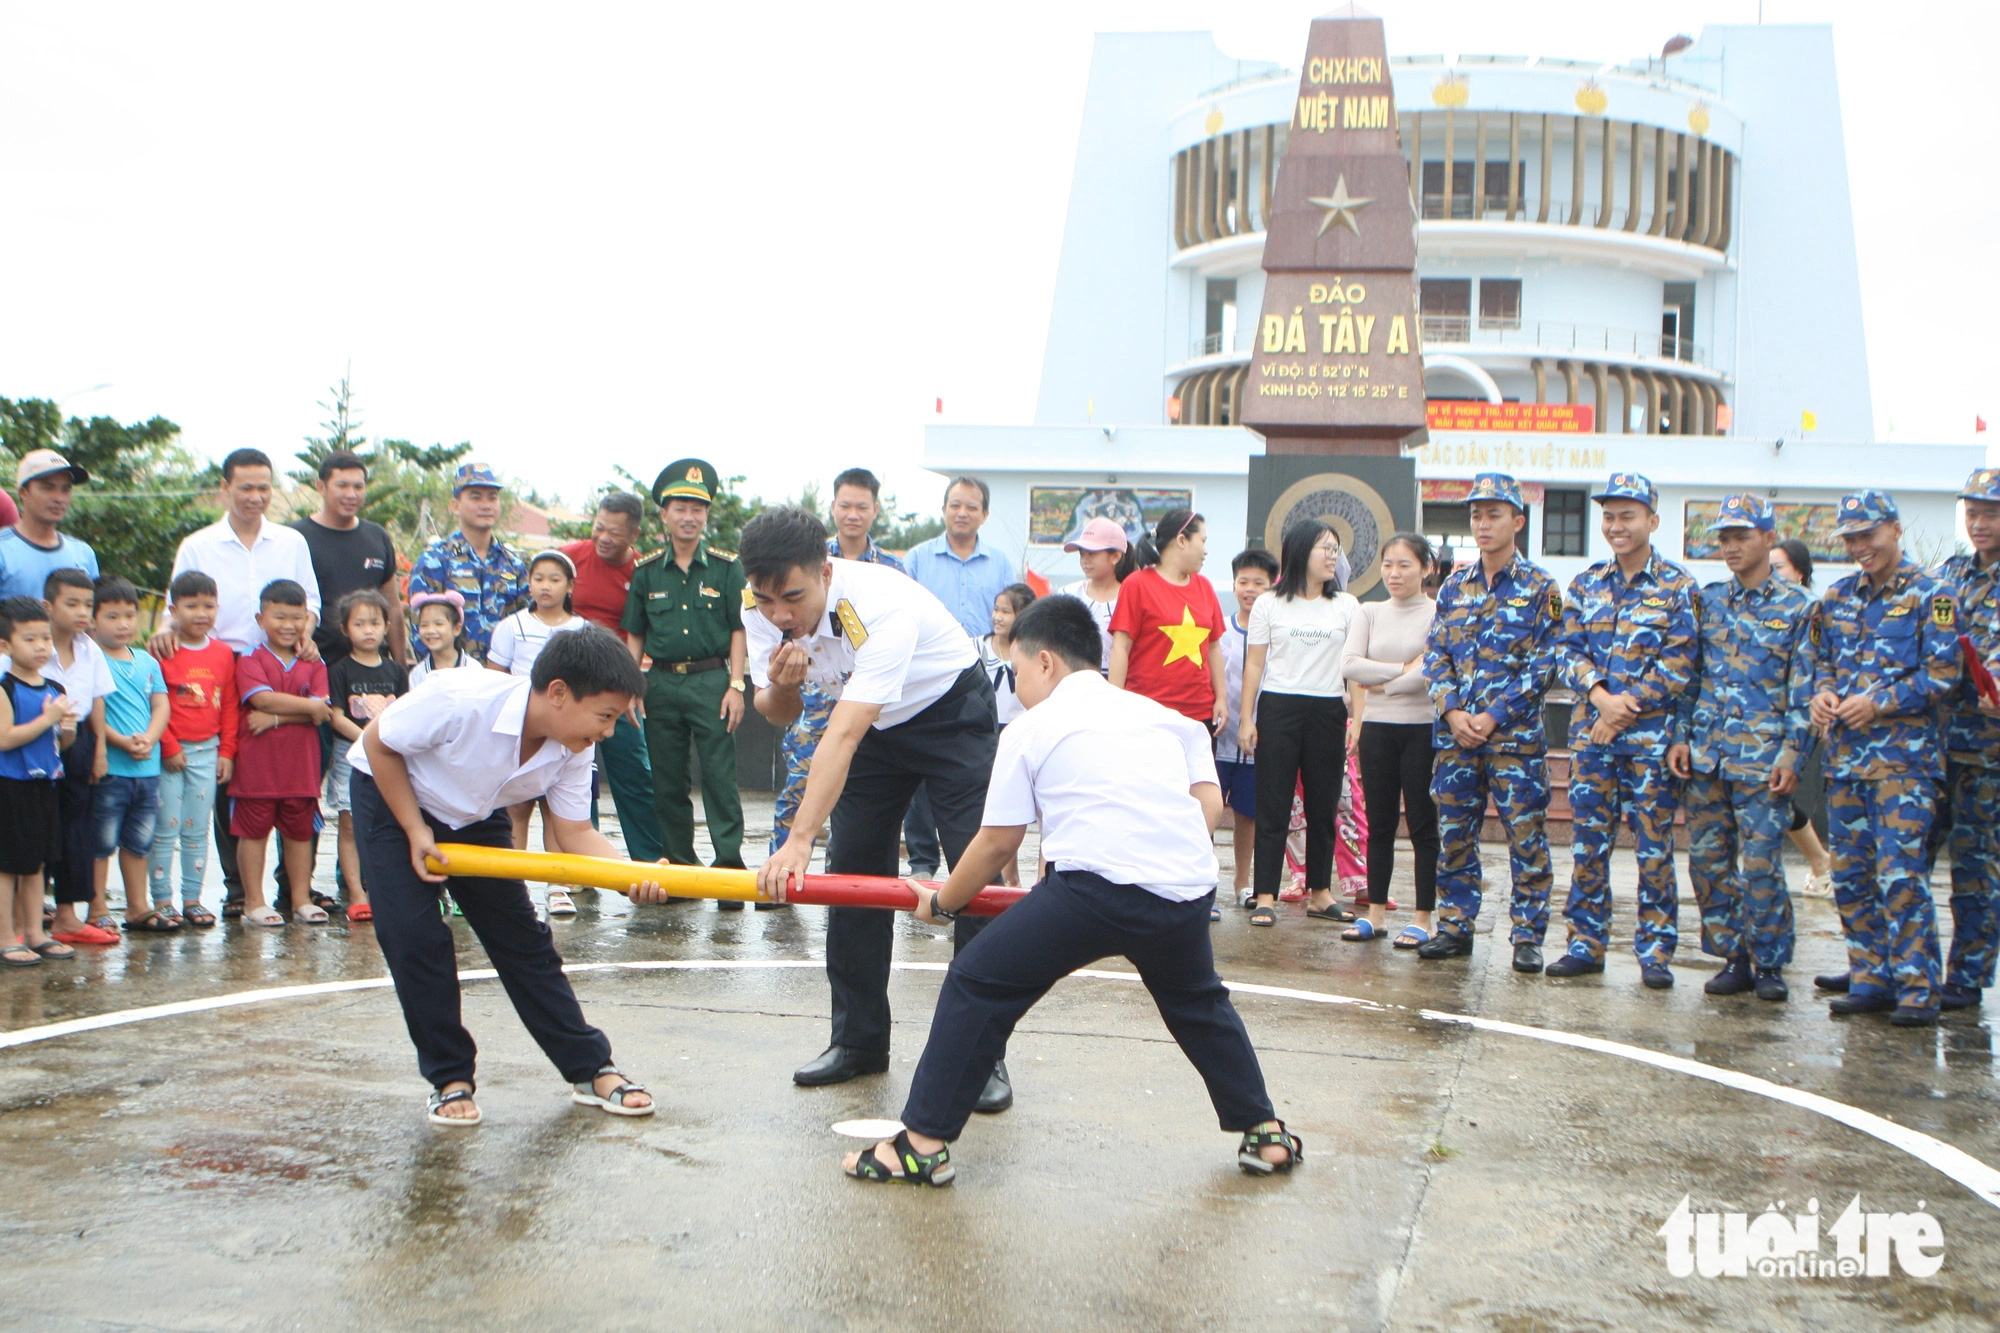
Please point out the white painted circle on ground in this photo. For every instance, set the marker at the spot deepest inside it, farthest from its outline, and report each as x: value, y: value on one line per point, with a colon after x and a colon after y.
x: 868, y: 1129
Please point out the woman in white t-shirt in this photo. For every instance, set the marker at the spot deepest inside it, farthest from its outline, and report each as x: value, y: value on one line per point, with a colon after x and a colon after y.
x: 1294, y: 713
x: 517, y: 641
x: 1104, y: 552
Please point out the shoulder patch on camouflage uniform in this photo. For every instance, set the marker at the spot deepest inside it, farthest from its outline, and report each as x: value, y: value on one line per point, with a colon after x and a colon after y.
x: 1555, y: 604
x: 850, y: 623
x: 649, y: 559
x: 1944, y: 613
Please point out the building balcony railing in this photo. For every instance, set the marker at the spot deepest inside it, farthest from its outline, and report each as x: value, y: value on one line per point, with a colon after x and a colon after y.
x: 1542, y: 336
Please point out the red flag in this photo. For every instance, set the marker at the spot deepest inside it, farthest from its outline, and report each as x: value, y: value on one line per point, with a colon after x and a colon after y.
x: 940, y: 407
x: 1978, y: 425
x: 1035, y: 581
x: 1982, y: 679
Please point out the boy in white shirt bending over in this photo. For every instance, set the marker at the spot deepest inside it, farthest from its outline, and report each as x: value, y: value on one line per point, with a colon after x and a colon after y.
x: 1126, y: 794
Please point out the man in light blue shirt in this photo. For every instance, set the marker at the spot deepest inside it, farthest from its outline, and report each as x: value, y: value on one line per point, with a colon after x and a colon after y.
x: 963, y: 572
x: 34, y: 548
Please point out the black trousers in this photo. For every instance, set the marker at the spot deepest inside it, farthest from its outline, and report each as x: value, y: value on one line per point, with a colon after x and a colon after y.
x: 1396, y: 761
x: 949, y: 749
x: 74, y: 878
x: 418, y: 946
x: 1071, y: 920
x: 1300, y: 737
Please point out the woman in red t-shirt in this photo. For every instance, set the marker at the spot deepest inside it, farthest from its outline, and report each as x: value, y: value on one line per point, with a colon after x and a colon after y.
x: 1166, y: 619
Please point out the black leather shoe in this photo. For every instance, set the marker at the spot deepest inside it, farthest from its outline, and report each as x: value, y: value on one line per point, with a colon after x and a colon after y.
x: 999, y: 1093
x: 1656, y: 976
x: 1909, y: 1016
x: 1575, y: 965
x: 1733, y: 979
x: 1771, y: 985
x: 1833, y: 981
x: 1958, y: 997
x: 1528, y: 958
x: 837, y: 1064
x: 728, y: 904
x: 1445, y: 944
x: 1861, y: 1004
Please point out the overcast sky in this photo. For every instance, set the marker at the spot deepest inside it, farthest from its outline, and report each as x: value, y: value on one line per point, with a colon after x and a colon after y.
x: 770, y: 234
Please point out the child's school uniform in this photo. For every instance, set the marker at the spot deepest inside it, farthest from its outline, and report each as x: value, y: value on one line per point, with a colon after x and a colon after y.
x: 519, y: 639
x: 459, y: 733
x: 1237, y: 770
x: 360, y: 694
x: 30, y: 831
x: 202, y: 729
x: 276, y: 783
x: 126, y: 805
x: 422, y: 670
x: 1006, y: 704
x: 1131, y: 872
x: 72, y: 875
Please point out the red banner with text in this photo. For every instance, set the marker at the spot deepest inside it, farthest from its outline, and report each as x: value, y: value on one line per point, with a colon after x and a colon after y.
x: 1542, y: 418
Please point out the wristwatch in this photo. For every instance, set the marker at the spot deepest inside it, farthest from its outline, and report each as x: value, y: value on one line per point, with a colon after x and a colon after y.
x: 736, y: 685
x: 938, y: 911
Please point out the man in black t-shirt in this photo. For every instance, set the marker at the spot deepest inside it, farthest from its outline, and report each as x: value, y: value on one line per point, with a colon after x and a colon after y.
x: 349, y: 553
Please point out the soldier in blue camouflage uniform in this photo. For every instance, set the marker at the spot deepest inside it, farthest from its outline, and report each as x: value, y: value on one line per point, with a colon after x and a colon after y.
x: 1972, y: 754
x: 1488, y: 661
x: 1627, y: 649
x: 490, y: 580
x: 1887, y: 659
x: 1740, y: 735
x: 796, y: 746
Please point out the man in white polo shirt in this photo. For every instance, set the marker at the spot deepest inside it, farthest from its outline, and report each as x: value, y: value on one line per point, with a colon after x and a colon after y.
x: 912, y: 708
x: 1126, y: 794
x: 243, y: 554
x: 444, y: 763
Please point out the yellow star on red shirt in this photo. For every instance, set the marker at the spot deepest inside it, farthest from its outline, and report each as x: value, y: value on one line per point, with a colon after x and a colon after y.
x: 1187, y: 638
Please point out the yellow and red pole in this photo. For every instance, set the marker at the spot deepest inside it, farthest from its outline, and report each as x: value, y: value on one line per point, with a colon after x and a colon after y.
x: 602, y: 872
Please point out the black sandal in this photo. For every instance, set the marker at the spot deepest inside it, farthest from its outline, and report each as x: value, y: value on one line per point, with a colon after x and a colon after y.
x: 1264, y: 915
x: 154, y: 922
x: 194, y: 914
x: 232, y: 909
x: 1253, y: 1162
x: 1333, y: 911
x: 932, y: 1169
x: 324, y: 901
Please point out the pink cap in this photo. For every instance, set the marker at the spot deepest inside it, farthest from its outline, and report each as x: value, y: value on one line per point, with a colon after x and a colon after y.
x: 1100, y: 534
x: 450, y: 596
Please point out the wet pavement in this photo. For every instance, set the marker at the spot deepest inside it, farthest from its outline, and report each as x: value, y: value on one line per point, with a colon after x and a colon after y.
x: 268, y: 1165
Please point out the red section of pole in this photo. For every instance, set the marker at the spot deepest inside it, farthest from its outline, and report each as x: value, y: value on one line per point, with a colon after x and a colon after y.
x: 882, y: 891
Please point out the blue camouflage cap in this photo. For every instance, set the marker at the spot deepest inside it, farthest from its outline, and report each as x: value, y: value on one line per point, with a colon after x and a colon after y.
x: 1630, y: 486
x: 1864, y: 510
x: 1982, y: 485
x: 1497, y: 486
x: 1746, y: 511
x: 474, y: 474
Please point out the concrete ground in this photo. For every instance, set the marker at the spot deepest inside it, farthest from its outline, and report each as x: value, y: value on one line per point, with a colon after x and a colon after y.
x: 268, y: 1165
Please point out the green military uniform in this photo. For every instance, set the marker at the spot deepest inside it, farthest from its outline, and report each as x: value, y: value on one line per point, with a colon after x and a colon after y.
x: 687, y: 618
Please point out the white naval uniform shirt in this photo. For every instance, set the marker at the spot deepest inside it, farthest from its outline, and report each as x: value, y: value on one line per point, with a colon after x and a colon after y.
x: 895, y: 645
x: 460, y: 734
x: 1107, y: 773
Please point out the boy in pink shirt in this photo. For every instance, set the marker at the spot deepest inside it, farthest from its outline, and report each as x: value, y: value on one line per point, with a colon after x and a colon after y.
x: 276, y: 783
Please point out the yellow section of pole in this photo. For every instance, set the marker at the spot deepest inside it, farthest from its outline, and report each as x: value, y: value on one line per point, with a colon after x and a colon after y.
x: 597, y: 872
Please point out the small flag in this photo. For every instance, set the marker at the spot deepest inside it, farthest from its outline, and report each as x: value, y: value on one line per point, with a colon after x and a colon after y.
x: 1808, y: 421
x: 1979, y: 425
x: 1723, y: 416
x: 1037, y: 582
x: 940, y: 407
x: 1174, y: 408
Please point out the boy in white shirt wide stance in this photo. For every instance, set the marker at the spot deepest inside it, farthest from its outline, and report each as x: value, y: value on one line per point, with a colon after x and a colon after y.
x: 443, y: 763
x: 1126, y: 793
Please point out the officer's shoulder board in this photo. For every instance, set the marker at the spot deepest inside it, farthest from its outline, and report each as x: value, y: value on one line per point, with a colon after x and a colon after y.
x: 645, y: 560
x: 850, y: 623
x: 729, y: 556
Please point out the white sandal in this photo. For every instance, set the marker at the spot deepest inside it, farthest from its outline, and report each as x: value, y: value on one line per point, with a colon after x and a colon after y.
x: 312, y: 914
x: 440, y: 1100
x: 262, y: 916
x: 560, y: 903
x: 613, y: 1102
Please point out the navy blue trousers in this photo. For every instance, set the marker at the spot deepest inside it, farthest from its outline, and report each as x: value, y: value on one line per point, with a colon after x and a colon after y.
x: 1071, y: 920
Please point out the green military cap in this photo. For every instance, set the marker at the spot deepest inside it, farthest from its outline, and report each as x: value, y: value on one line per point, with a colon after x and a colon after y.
x: 689, y: 479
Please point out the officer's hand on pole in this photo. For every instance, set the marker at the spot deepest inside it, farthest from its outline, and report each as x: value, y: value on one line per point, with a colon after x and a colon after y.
x: 1784, y: 780
x: 1680, y: 761
x: 649, y: 891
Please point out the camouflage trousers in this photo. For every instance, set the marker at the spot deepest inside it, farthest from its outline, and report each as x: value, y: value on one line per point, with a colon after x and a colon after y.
x: 1736, y: 839
x: 1519, y: 787
x: 796, y: 748
x: 1879, y: 827
x: 1975, y: 875
x: 1601, y: 787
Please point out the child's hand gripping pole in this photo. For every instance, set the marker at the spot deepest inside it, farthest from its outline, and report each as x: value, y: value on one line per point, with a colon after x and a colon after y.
x: 600, y: 872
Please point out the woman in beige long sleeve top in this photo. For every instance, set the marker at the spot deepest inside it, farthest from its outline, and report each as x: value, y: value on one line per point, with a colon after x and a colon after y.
x: 1384, y: 658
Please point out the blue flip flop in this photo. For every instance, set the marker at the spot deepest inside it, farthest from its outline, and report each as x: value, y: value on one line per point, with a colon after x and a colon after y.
x: 1413, y: 937
x: 1362, y: 929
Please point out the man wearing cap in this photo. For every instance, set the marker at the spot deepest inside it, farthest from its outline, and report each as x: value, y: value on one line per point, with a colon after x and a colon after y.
x: 1972, y: 754
x: 484, y: 570
x: 1627, y: 649
x: 685, y: 611
x: 1887, y: 659
x: 856, y: 504
x: 1739, y: 735
x: 1488, y: 661
x: 34, y: 547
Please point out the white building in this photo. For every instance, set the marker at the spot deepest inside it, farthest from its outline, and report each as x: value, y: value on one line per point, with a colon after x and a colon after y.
x: 1714, y: 346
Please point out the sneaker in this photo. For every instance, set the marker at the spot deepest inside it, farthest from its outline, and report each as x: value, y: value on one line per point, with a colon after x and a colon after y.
x: 1958, y: 997
x: 1656, y: 976
x: 1771, y: 985
x: 1733, y: 979
x: 1575, y: 963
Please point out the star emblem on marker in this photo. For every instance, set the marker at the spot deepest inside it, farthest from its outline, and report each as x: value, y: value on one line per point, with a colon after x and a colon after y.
x: 1340, y: 206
